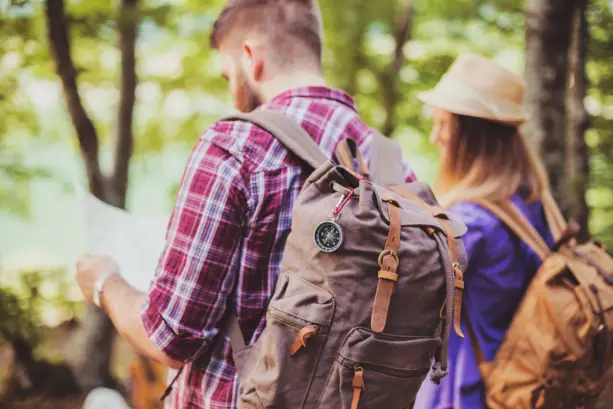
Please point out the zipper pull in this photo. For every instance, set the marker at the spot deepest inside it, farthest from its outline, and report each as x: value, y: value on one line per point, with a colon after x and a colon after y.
x: 358, y: 386
x: 301, y: 341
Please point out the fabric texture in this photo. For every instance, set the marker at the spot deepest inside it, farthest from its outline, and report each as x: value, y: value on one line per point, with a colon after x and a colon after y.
x: 226, y: 237
x: 500, y: 268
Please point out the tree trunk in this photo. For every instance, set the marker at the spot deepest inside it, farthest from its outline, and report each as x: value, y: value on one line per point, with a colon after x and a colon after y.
x: 92, y: 344
x: 547, y: 44
x: 577, y: 166
x: 389, y: 79
x: 57, y: 33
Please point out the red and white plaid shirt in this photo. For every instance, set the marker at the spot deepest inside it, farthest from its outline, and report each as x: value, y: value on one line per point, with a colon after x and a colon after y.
x: 226, y: 237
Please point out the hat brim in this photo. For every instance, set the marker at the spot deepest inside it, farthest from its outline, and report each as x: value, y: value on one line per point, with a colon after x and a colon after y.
x: 462, y: 106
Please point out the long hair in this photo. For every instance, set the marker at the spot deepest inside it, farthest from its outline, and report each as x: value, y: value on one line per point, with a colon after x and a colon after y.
x: 488, y: 160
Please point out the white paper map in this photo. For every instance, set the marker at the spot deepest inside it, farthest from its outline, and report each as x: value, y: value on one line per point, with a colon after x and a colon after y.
x: 135, y: 242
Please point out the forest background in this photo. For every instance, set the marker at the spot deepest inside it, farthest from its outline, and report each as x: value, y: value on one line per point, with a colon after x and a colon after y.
x: 115, y: 94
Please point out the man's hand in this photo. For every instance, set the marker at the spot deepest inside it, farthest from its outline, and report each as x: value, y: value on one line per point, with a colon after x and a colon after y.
x: 121, y: 302
x: 90, y: 269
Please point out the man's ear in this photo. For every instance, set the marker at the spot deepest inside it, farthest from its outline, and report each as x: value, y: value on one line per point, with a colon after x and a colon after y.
x: 253, y: 60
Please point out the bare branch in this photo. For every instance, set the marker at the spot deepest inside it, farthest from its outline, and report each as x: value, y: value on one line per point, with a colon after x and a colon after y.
x: 127, y: 24
x: 57, y: 32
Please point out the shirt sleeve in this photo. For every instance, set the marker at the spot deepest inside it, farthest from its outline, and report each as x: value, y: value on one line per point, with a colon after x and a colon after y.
x: 197, y: 270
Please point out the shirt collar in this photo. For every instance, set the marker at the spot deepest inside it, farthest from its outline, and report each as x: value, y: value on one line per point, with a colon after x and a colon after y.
x: 315, y: 92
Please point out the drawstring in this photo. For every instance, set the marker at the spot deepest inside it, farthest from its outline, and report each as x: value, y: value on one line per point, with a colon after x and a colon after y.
x: 169, y: 388
x: 438, y: 372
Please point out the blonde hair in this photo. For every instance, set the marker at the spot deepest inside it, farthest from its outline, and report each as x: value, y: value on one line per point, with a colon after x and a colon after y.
x: 488, y: 160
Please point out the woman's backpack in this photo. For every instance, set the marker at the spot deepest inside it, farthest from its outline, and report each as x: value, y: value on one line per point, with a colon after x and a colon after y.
x: 560, y: 343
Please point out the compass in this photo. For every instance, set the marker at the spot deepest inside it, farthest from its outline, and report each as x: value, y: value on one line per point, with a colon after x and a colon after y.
x: 328, y: 236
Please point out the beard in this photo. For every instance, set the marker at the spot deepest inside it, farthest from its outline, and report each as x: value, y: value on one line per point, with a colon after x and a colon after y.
x: 245, y: 99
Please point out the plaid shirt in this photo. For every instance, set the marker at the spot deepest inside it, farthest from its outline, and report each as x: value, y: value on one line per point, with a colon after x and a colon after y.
x: 226, y: 237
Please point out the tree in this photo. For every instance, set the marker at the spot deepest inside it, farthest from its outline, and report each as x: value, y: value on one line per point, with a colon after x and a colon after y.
x: 97, y: 333
x: 577, y: 154
x: 547, y: 48
x: 556, y: 58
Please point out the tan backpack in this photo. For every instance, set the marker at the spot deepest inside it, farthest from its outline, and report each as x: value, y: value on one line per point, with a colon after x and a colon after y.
x: 368, y: 268
x: 559, y: 346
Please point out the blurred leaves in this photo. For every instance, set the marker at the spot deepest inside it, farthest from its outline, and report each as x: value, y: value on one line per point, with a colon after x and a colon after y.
x: 180, y: 91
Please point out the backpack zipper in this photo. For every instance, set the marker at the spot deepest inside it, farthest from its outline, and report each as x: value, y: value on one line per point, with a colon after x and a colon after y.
x: 287, y: 319
x: 398, y: 373
x: 358, y: 386
x: 306, y: 330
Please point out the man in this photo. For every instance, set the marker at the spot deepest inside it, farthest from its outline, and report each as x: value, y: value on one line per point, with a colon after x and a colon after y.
x: 233, y: 211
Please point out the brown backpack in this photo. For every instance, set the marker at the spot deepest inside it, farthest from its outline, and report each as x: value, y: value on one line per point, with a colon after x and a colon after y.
x: 559, y: 346
x: 368, y: 269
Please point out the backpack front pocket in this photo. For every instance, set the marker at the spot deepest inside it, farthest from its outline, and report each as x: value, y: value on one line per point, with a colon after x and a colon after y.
x: 298, y: 320
x: 378, y: 371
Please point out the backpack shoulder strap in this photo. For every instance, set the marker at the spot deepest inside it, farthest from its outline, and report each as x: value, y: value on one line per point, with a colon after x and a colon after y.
x: 347, y: 151
x: 555, y: 220
x: 385, y: 161
x: 288, y: 132
x: 510, y: 215
x: 297, y: 140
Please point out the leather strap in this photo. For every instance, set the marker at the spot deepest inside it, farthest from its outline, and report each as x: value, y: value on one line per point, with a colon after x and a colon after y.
x: 439, y: 213
x: 508, y: 213
x: 388, y: 275
x: 459, y: 277
x: 388, y: 262
x: 346, y: 151
x: 288, y: 132
x: 358, y: 385
x: 555, y: 220
x: 301, y: 340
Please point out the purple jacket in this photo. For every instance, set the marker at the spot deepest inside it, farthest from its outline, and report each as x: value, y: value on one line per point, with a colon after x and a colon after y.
x: 500, y: 268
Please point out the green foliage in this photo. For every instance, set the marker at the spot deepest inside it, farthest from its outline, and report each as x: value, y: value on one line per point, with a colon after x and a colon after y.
x: 180, y: 91
x: 17, y: 310
x: 18, y: 116
x: 600, y: 106
x: 35, y: 298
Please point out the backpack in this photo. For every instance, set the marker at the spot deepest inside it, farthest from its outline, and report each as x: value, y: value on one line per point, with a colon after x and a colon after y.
x: 368, y: 282
x: 558, y: 347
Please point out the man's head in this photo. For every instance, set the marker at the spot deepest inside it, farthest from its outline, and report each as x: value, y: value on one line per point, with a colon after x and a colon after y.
x: 262, y: 42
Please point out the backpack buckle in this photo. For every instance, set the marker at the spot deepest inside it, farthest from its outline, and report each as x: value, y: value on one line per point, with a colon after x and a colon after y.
x: 388, y: 253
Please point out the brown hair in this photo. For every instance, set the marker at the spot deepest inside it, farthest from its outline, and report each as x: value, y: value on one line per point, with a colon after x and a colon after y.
x: 490, y: 160
x: 291, y: 25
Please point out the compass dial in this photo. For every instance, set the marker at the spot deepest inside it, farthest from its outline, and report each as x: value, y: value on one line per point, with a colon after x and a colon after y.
x: 328, y: 236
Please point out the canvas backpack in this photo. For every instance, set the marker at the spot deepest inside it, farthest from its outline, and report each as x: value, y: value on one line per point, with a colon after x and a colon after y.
x: 365, y: 299
x: 559, y: 345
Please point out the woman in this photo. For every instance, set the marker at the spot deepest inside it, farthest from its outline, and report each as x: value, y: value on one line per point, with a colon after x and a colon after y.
x: 477, y: 108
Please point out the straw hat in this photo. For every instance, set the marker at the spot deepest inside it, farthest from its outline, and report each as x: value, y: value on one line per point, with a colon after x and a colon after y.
x: 476, y: 86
